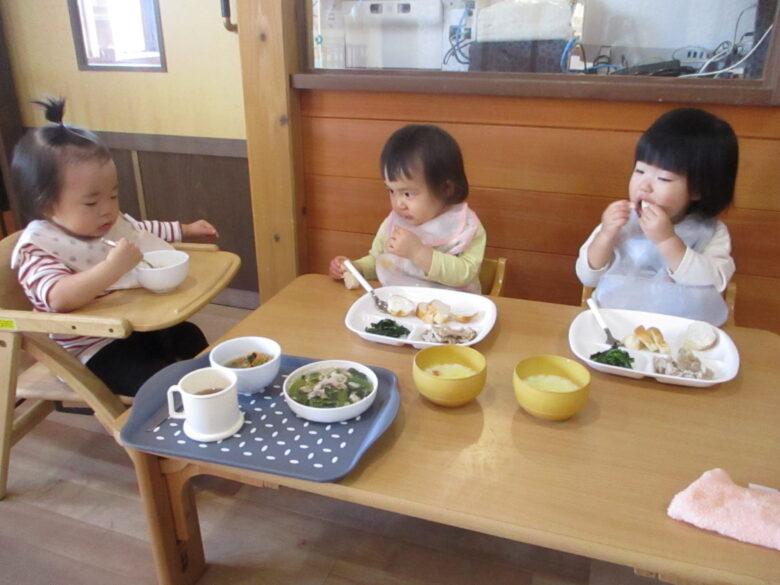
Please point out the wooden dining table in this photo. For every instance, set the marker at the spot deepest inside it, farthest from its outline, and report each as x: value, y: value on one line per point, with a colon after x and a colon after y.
x: 596, y: 485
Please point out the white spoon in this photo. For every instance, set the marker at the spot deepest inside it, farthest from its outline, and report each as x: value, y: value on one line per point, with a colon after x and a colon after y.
x: 596, y: 313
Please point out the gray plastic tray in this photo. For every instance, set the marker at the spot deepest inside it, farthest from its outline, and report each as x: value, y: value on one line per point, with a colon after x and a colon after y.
x: 273, y: 439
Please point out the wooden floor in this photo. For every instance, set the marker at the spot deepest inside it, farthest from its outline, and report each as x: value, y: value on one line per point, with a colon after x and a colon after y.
x: 73, y: 516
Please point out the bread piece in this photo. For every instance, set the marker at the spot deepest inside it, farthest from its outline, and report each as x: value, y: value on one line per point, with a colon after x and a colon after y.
x: 441, y: 312
x: 436, y: 312
x: 632, y: 342
x: 349, y: 279
x: 700, y: 336
x: 658, y: 339
x: 400, y: 306
x: 463, y: 318
x: 645, y: 339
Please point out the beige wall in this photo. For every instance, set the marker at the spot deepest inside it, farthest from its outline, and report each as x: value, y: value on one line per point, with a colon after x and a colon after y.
x: 200, y: 95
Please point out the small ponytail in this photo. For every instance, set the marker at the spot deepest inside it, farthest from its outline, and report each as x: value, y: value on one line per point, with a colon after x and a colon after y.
x: 40, y: 154
x: 54, y: 109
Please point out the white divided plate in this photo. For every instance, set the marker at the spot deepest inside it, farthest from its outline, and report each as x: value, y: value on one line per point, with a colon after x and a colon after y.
x: 363, y: 312
x: 586, y: 337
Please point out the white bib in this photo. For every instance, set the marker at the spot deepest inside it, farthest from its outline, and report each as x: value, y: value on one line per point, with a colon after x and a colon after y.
x: 639, y: 278
x: 450, y: 232
x: 82, y: 254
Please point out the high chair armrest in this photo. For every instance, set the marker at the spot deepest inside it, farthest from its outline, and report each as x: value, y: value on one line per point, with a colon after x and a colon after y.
x: 195, y: 246
x: 31, y: 321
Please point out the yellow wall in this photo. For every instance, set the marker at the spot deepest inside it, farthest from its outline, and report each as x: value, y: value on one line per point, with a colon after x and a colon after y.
x: 200, y: 95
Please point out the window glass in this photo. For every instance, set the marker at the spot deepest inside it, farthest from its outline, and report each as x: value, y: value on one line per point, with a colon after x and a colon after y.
x: 117, y: 34
x: 724, y: 39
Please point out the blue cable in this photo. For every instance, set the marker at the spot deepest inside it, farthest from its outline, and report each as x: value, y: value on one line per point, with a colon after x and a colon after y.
x: 565, y: 55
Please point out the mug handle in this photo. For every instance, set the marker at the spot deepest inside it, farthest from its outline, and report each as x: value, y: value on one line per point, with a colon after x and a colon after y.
x: 172, y: 412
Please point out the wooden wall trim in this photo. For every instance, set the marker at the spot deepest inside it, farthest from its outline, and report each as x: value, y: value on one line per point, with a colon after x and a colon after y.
x: 175, y: 144
x: 548, y: 85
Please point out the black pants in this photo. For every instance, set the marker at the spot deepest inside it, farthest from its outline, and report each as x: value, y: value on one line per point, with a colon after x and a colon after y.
x: 125, y: 364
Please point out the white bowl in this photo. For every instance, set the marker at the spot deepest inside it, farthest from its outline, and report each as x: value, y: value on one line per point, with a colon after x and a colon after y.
x: 170, y: 269
x: 336, y: 413
x: 250, y: 380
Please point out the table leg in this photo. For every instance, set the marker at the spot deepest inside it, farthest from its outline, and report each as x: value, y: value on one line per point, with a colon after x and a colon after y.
x: 172, y: 517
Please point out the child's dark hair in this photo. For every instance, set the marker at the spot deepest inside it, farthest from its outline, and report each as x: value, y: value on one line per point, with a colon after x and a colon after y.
x: 40, y: 154
x: 700, y: 146
x: 435, y: 151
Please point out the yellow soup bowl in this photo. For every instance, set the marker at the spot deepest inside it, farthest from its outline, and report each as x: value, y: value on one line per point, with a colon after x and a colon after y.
x: 449, y: 375
x: 551, y: 387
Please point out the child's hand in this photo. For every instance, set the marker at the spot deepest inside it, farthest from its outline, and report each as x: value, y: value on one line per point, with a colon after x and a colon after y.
x: 615, y: 216
x: 336, y: 268
x: 199, y: 230
x: 404, y: 243
x: 123, y: 257
x: 656, y: 224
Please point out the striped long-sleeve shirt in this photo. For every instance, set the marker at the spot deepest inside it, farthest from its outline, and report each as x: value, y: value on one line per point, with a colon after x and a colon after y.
x: 39, y: 271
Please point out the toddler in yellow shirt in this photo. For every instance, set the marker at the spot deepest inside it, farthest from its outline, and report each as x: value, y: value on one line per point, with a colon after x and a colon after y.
x: 430, y: 237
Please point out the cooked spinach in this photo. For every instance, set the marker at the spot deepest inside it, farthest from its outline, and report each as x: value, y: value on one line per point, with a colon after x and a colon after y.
x: 613, y: 357
x: 388, y: 328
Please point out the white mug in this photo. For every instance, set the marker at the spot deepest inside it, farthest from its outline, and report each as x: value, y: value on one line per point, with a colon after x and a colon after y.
x: 209, y: 404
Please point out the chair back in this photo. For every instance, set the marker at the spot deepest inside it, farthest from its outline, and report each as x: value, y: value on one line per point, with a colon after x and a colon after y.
x: 11, y: 293
x: 491, y: 276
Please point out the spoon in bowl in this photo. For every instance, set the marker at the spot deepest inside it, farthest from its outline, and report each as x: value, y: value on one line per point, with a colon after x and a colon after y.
x: 112, y: 244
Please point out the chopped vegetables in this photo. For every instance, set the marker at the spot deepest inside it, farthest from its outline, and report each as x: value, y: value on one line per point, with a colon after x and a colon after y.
x: 249, y: 361
x: 330, y: 387
x: 613, y: 357
x: 388, y: 328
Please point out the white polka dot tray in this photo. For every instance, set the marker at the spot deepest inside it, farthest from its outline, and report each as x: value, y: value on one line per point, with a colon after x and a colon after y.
x: 272, y: 438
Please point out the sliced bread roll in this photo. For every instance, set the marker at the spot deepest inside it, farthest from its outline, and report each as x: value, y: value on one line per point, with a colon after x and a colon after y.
x: 400, y: 306
x: 645, y: 339
x: 436, y: 311
x: 700, y: 336
x: 463, y: 317
x: 658, y: 339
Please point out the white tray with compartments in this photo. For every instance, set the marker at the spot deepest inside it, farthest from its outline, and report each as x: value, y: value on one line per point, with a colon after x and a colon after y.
x: 363, y: 313
x: 586, y: 337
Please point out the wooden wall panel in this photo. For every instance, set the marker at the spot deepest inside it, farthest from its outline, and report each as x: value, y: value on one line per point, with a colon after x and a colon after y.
x: 528, y: 220
x: 758, y: 302
x: 541, y: 173
x: 755, y: 236
x: 498, y: 110
x: 191, y: 187
x: 560, y: 160
x: 509, y: 157
x: 128, y: 195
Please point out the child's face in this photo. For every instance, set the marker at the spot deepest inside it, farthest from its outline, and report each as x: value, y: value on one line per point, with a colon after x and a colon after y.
x: 88, y: 203
x: 411, y: 198
x: 664, y: 188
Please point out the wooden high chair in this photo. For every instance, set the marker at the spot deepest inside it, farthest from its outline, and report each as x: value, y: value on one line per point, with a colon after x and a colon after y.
x: 729, y: 295
x: 36, y: 373
x: 491, y: 276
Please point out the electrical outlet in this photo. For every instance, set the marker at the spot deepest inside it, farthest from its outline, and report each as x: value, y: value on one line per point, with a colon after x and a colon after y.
x: 697, y: 55
x: 465, y: 32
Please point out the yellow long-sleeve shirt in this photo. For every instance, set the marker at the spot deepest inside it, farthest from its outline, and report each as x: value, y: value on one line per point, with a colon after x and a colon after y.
x: 447, y: 269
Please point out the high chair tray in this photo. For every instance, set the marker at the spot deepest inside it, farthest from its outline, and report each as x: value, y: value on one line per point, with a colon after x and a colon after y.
x: 273, y: 439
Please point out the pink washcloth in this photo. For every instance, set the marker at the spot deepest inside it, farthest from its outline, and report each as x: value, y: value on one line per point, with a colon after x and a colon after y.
x: 715, y: 502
